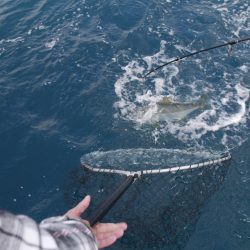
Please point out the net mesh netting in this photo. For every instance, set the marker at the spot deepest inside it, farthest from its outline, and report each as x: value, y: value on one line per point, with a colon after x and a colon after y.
x: 160, y: 209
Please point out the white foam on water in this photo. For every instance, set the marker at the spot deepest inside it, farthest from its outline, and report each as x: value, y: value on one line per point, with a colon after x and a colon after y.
x: 41, y: 27
x: 206, y: 124
x: 182, y: 48
x: 226, y: 112
x: 156, y: 58
x: 137, y: 100
x: 12, y: 40
x: 5, y: 43
x: 159, y: 85
x: 51, y: 44
x: 244, y: 68
x: 235, y: 15
x: 223, y: 119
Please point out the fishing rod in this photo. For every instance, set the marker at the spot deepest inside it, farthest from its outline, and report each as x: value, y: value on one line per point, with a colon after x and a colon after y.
x: 230, y: 43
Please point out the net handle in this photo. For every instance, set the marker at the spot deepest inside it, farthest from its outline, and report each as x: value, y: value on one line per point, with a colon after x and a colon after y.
x: 110, y: 201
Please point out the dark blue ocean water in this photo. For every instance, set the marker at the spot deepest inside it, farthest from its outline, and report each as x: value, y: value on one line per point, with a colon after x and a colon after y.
x: 69, y: 85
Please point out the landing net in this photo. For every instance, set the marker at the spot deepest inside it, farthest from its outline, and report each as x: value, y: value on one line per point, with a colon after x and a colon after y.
x: 162, y: 205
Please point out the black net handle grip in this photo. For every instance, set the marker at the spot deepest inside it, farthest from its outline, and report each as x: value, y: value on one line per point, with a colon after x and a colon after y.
x: 110, y: 201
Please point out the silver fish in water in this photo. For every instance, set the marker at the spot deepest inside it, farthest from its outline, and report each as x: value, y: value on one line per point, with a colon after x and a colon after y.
x: 168, y: 110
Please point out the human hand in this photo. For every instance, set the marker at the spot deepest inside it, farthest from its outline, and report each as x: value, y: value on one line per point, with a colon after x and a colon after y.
x: 106, y: 233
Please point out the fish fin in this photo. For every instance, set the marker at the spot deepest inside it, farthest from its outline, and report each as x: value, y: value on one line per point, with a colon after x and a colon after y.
x: 165, y: 101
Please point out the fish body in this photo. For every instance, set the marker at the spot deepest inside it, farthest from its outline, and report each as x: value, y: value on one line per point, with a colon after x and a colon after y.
x: 167, y: 110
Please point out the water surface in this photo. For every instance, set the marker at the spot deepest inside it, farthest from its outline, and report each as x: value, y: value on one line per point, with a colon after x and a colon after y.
x: 70, y: 85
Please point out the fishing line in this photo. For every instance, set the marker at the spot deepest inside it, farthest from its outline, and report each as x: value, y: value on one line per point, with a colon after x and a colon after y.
x: 177, y: 59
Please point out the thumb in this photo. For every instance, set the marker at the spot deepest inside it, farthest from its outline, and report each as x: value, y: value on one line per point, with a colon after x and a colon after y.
x: 79, y: 208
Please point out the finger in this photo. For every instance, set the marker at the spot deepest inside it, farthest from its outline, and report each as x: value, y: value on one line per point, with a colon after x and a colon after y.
x: 80, y: 208
x: 102, y: 236
x: 106, y: 242
x: 109, y: 227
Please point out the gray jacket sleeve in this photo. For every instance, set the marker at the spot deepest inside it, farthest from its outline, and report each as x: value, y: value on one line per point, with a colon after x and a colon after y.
x: 55, y: 233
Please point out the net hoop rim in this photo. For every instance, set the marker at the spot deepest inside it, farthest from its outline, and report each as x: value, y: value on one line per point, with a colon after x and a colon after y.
x: 223, y: 158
